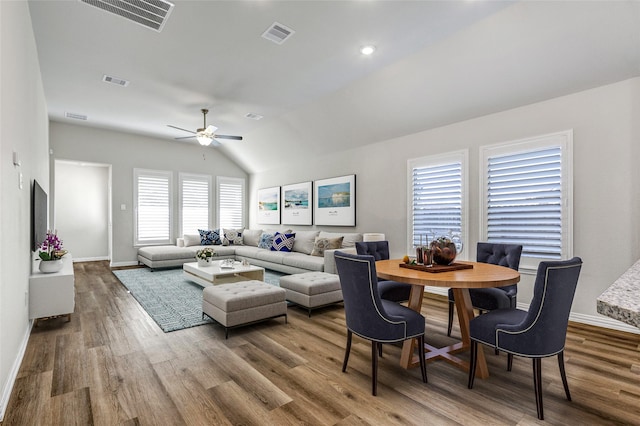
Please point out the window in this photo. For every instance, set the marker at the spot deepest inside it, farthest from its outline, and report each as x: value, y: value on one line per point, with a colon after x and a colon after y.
x: 194, y: 202
x: 231, y: 202
x: 152, y: 211
x: 437, y: 194
x: 527, y: 196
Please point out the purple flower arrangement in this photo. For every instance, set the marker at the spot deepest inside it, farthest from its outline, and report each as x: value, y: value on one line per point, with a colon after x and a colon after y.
x: 51, y: 248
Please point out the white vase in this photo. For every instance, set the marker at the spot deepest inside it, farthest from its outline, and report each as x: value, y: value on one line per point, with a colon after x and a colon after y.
x: 204, y: 262
x: 50, y: 266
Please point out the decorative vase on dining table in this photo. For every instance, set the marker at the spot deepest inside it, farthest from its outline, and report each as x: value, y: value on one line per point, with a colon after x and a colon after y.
x: 50, y: 266
x: 443, y: 251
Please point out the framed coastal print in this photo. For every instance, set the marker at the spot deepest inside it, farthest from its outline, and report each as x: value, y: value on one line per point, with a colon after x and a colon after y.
x: 269, y: 206
x: 297, y: 204
x: 335, y: 201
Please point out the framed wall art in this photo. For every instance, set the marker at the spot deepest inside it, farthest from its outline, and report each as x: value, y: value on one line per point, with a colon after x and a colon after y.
x: 297, y: 204
x: 335, y: 201
x: 269, y: 206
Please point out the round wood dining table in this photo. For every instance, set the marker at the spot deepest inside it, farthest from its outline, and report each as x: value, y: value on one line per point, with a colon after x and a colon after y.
x: 480, y: 275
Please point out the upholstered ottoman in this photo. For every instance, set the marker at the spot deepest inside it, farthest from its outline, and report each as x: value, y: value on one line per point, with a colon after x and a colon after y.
x: 243, y: 303
x: 312, y: 289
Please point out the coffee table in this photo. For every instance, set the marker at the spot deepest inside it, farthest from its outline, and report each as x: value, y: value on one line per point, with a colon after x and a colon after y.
x: 215, y: 274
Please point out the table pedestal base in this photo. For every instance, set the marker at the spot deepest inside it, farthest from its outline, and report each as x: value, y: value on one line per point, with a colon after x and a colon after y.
x: 464, y: 309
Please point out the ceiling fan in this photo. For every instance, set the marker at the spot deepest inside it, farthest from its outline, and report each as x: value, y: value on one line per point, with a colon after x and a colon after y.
x: 206, y: 135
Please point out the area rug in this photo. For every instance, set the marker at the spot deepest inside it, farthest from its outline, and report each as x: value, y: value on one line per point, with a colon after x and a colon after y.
x: 173, y: 302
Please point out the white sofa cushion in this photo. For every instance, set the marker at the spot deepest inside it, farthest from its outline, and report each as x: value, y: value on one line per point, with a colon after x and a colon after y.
x: 191, y: 240
x: 251, y: 237
x: 304, y: 261
x: 304, y: 241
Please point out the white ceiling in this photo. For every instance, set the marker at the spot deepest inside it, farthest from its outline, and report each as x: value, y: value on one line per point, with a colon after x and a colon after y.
x: 437, y: 62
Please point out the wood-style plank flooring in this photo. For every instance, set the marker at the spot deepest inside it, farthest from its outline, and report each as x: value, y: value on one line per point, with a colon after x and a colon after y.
x: 111, y: 364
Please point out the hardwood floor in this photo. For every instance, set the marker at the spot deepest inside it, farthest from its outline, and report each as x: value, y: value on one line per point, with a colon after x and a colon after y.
x: 113, y: 365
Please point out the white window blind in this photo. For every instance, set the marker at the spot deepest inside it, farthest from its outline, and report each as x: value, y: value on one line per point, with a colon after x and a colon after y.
x: 153, y: 206
x: 194, y: 202
x: 527, y: 196
x: 524, y: 201
x: 437, y: 198
x: 231, y: 202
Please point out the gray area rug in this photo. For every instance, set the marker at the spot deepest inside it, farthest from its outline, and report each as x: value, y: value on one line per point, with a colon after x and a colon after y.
x: 173, y: 302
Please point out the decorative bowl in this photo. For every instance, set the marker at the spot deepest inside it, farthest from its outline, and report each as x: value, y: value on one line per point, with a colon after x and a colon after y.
x: 443, y: 251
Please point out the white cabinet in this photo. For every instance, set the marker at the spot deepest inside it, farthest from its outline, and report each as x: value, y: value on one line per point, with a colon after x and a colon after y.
x: 52, y: 294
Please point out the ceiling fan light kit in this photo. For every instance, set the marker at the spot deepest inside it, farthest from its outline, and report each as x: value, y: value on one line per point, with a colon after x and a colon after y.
x: 206, y: 134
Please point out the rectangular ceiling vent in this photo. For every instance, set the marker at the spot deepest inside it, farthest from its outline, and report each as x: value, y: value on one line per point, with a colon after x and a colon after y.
x: 148, y: 13
x: 75, y: 116
x: 253, y: 116
x: 115, y: 80
x: 278, y: 33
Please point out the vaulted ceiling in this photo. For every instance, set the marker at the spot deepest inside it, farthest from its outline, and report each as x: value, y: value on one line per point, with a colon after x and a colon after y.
x: 436, y: 62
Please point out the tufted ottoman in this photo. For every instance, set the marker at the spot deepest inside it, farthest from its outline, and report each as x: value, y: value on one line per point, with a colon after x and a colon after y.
x: 243, y: 303
x: 312, y: 289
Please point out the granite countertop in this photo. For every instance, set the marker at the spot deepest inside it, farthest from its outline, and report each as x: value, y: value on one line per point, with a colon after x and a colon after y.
x: 621, y: 301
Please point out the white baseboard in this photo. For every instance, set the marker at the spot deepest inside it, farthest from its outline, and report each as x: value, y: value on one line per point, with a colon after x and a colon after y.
x: 595, y: 320
x: 119, y: 264
x: 90, y: 259
x: 13, y: 374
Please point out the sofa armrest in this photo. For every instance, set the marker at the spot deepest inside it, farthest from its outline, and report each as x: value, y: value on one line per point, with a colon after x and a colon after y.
x: 330, y: 260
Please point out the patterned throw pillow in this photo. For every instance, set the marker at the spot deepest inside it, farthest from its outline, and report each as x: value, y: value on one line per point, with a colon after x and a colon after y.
x: 232, y: 237
x: 210, y: 237
x: 283, y: 242
x: 323, y: 244
x: 266, y: 241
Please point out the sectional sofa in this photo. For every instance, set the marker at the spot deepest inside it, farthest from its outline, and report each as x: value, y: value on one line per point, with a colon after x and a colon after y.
x: 310, y: 251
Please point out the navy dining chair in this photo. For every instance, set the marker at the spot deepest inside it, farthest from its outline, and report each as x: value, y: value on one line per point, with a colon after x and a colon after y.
x: 388, y: 290
x: 537, y: 333
x: 372, y: 318
x: 489, y: 299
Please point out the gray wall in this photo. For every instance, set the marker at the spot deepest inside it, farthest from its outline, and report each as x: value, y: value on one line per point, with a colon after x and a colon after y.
x: 124, y: 152
x: 23, y: 129
x: 606, y: 196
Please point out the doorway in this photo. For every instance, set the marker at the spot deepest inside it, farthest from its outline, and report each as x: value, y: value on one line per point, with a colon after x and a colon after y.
x: 82, y: 209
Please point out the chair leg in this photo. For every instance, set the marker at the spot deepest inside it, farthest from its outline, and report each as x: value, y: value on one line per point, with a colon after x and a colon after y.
x: 472, y: 363
x: 563, y: 375
x: 423, y: 362
x: 347, y: 351
x: 451, y: 306
x: 374, y: 367
x: 380, y: 350
x: 509, y: 362
x: 537, y: 384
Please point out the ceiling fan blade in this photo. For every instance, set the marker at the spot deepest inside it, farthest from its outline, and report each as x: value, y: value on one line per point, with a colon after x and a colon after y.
x: 210, y: 130
x: 215, y: 143
x: 180, y: 128
x: 185, y: 137
x: 235, y: 138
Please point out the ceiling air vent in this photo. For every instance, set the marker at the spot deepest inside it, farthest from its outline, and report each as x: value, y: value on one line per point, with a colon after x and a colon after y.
x: 75, y: 116
x: 148, y: 13
x: 253, y: 116
x: 278, y: 33
x: 115, y: 80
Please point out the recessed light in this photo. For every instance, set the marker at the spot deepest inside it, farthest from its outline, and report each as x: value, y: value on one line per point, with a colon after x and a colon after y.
x: 253, y: 116
x: 367, y: 50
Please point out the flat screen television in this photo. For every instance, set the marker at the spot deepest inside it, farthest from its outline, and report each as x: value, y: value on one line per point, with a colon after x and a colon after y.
x: 39, y: 216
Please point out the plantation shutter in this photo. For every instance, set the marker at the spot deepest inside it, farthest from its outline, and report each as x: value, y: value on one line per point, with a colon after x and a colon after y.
x: 194, y: 190
x: 153, y: 207
x: 437, y: 201
x: 231, y: 202
x: 524, y: 201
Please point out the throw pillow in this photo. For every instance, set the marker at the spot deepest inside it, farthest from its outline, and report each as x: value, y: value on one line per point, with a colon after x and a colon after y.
x: 283, y: 242
x: 232, y: 237
x: 323, y: 244
x: 191, y: 240
x: 266, y: 241
x: 251, y: 237
x: 210, y: 237
x: 305, y: 241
